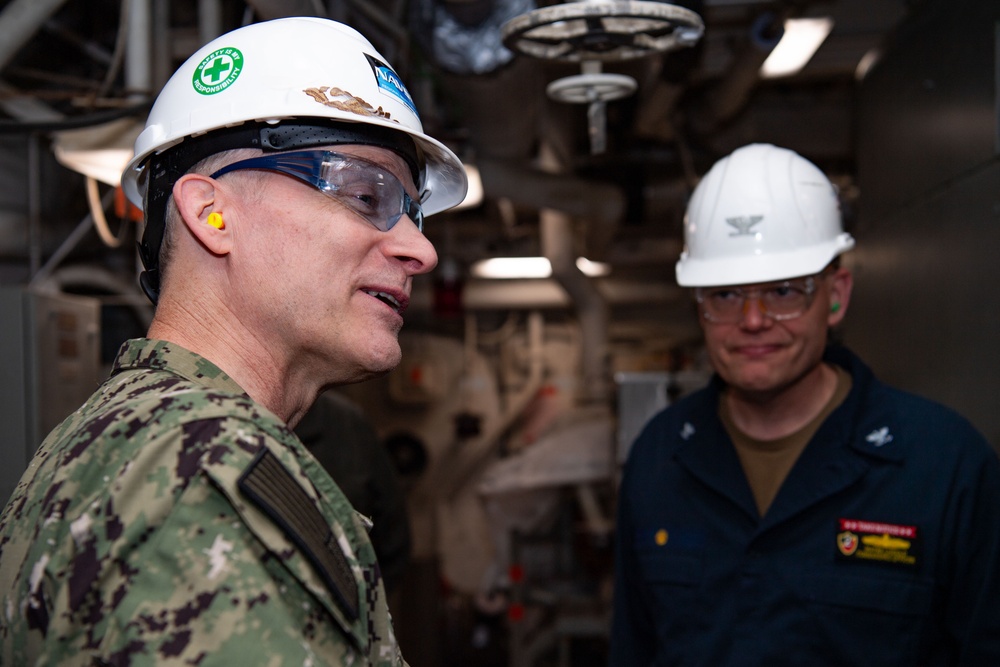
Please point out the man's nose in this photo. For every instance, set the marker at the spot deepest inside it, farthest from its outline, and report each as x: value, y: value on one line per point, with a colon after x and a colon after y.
x: 754, y: 313
x: 411, y: 246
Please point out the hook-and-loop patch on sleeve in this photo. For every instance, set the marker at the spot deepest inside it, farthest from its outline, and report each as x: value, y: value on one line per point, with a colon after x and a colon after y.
x: 273, y: 489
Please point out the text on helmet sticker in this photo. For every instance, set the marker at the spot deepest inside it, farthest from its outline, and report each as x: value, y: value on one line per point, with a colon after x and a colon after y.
x: 217, y: 71
x: 390, y: 83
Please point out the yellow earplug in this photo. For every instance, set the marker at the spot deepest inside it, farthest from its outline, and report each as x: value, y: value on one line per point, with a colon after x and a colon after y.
x: 215, y: 219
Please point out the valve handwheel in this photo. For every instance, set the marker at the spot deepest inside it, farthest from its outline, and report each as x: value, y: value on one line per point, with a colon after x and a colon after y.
x: 603, y: 30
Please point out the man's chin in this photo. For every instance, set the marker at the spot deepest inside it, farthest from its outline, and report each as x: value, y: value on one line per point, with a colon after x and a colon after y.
x: 384, y: 363
x: 373, y: 364
x: 751, y: 381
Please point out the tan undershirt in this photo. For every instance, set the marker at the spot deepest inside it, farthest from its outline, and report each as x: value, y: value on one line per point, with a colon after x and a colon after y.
x: 766, y: 463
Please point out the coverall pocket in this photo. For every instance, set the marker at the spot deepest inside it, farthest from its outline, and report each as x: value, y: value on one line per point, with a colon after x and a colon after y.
x: 672, y: 587
x: 864, y: 618
x: 887, y: 595
x: 662, y: 567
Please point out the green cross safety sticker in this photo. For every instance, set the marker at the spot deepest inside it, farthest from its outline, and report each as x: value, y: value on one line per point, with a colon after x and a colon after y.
x: 217, y: 71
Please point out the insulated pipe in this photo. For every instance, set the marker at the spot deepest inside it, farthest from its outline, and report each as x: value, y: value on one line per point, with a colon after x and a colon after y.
x: 467, y: 458
x: 730, y: 95
x: 592, y: 311
x: 138, y: 49
x: 531, y: 188
x: 162, y: 46
x: 19, y: 21
x: 602, y: 205
x: 209, y: 20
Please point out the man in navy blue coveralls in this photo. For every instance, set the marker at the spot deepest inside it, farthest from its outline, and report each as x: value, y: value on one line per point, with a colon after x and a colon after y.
x: 797, y: 511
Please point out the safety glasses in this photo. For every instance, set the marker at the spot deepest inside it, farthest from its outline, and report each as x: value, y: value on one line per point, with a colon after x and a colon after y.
x: 366, y: 188
x: 784, y: 300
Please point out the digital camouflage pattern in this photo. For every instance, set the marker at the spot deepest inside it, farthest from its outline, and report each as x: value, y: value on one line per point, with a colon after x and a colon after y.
x: 129, y: 542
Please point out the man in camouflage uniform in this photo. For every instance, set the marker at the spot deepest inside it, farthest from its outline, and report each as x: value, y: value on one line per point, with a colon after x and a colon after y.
x: 175, y: 518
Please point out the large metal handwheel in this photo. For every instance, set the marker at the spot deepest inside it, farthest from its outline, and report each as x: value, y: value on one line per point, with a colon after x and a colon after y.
x: 592, y: 32
x: 602, y: 30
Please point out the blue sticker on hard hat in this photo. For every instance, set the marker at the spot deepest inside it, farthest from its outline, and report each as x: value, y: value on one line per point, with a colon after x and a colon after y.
x: 389, y: 82
x: 217, y: 71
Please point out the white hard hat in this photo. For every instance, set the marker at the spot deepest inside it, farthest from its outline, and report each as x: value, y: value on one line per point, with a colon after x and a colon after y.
x: 284, y: 84
x: 762, y: 213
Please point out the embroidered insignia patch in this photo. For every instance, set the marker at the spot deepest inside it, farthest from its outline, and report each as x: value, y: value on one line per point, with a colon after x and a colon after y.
x: 880, y: 437
x: 272, y: 488
x: 874, y: 541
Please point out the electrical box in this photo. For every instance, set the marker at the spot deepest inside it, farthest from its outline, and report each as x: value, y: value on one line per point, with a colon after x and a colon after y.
x: 49, y: 365
x: 642, y: 394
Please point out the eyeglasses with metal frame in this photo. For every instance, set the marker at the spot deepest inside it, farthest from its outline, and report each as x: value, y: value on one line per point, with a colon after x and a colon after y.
x: 781, y: 300
x: 367, y: 188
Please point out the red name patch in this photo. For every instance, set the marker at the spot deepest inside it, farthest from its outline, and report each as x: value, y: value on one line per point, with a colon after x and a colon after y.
x: 877, y: 541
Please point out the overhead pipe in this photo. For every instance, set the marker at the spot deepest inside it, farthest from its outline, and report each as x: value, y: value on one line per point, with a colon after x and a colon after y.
x: 592, y: 311
x: 138, y: 49
x: 19, y: 21
x: 731, y: 94
x: 209, y: 20
x: 601, y: 205
x: 560, y: 198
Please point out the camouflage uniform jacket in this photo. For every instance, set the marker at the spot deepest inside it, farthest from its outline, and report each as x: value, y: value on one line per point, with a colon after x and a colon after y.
x: 172, y: 520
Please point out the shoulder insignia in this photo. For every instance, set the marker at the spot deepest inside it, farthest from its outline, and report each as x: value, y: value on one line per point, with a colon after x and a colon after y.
x: 269, y: 485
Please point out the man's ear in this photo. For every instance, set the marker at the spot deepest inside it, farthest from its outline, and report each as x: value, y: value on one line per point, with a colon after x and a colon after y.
x: 841, y: 283
x: 201, y: 204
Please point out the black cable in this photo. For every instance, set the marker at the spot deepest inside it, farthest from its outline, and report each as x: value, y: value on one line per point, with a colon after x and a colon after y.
x: 74, y: 122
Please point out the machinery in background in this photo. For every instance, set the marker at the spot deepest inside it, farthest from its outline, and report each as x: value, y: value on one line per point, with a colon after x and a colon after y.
x: 50, y: 352
x: 511, y: 478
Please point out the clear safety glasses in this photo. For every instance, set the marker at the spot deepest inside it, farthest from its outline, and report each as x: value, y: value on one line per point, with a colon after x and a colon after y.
x: 366, y: 188
x: 784, y: 300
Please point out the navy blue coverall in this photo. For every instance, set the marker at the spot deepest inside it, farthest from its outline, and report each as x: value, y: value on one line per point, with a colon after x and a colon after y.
x: 882, y: 546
